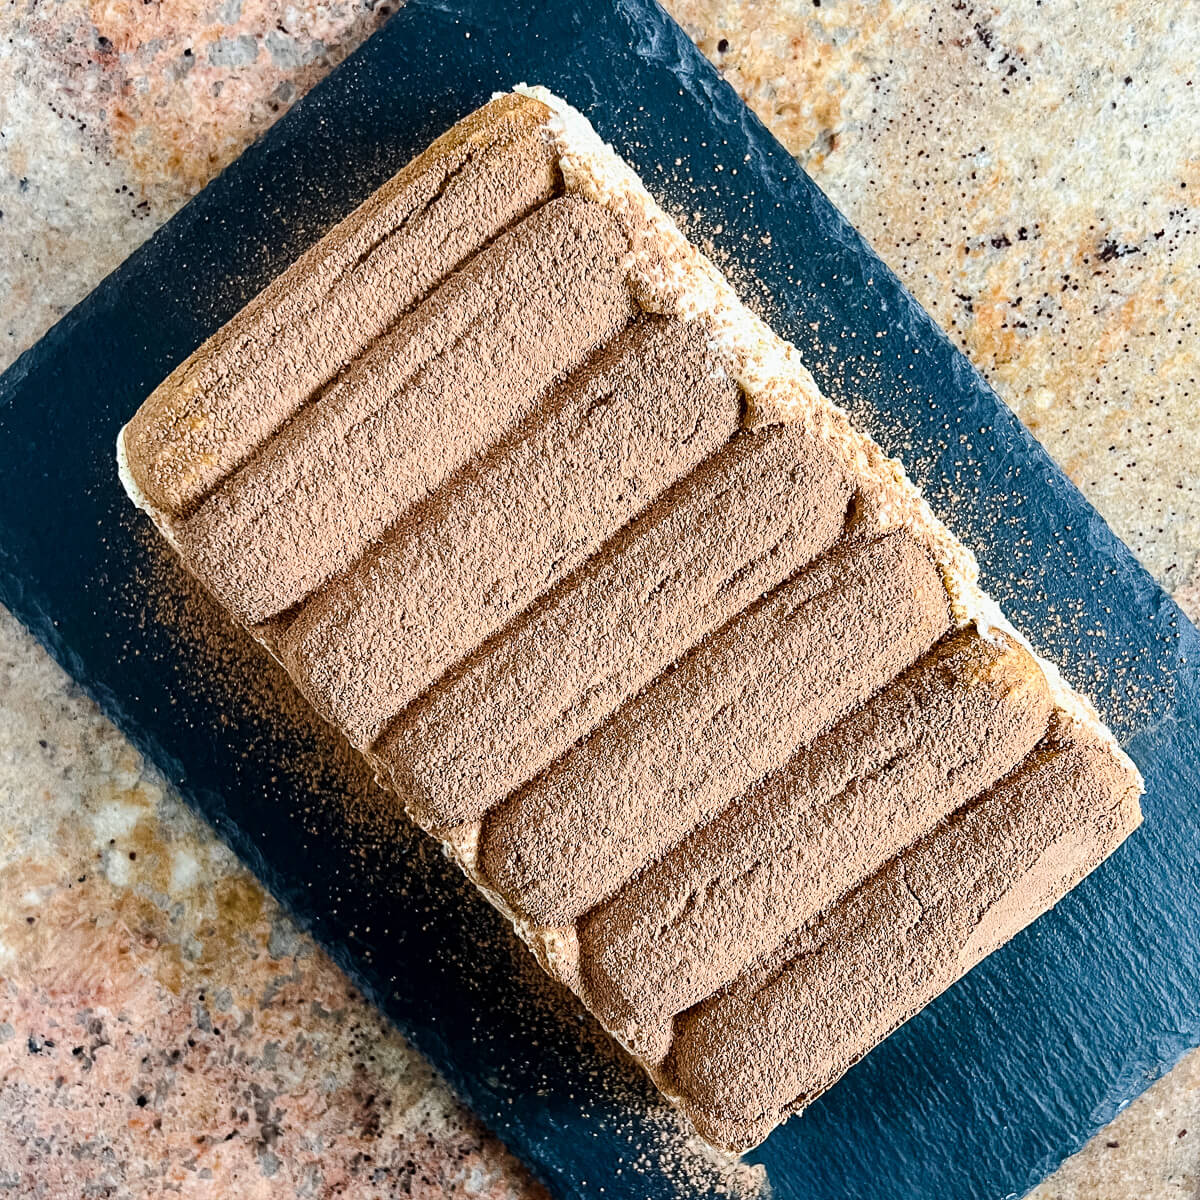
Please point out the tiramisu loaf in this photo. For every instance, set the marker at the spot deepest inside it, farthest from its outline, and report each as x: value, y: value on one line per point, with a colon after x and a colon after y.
x: 678, y: 665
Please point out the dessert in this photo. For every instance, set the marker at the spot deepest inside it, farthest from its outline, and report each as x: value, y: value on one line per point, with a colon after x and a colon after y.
x: 676, y: 663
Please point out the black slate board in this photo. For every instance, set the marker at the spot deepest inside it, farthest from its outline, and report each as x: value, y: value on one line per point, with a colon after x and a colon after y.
x: 990, y: 1087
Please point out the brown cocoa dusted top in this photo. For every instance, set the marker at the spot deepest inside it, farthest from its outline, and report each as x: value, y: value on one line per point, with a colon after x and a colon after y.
x: 244, y: 384
x: 784, y: 1031
x: 436, y: 391
x: 957, y: 721
x: 678, y: 664
x: 730, y: 711
x: 600, y: 446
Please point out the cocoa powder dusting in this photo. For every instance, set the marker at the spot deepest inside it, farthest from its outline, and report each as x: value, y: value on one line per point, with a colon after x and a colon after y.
x: 697, y: 704
x: 320, y: 763
x: 959, y: 720
x: 217, y: 407
x: 753, y: 514
x: 773, y: 1040
x: 603, y: 444
x: 729, y: 712
x: 426, y: 399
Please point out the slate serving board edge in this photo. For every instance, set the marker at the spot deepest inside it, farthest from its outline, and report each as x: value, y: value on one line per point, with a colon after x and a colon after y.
x: 978, y: 1113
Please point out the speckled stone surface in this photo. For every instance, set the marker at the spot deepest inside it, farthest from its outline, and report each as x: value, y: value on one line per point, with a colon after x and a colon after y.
x: 1028, y: 168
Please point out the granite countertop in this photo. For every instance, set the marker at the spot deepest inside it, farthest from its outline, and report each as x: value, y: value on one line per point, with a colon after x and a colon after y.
x: 1028, y: 167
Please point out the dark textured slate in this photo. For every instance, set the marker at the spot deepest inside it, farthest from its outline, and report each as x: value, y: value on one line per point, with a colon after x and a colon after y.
x: 997, y: 1081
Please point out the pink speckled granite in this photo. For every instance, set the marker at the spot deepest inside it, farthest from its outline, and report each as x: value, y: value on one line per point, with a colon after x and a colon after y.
x: 163, y: 1026
x: 1029, y: 168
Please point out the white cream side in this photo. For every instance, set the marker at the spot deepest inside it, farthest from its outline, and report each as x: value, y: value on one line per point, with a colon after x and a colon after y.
x: 135, y: 493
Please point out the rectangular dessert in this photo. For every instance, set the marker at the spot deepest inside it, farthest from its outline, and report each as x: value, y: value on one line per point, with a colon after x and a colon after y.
x: 677, y: 664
